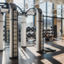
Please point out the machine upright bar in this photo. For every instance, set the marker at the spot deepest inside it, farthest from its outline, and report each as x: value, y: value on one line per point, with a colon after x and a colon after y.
x: 39, y: 29
x: 13, y: 33
x: 23, y: 31
x: 1, y: 33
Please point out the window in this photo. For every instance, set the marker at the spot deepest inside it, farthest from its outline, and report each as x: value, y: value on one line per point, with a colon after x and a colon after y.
x: 47, y: 10
x: 20, y: 3
x: 2, y: 0
x: 59, y: 11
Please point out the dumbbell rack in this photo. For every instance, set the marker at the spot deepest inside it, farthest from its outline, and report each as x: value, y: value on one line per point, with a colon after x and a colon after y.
x: 30, y: 33
x: 14, y: 34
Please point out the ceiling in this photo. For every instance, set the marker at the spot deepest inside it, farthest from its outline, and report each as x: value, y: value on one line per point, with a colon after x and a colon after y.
x: 54, y: 1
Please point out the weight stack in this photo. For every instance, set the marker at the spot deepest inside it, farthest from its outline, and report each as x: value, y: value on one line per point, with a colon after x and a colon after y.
x: 13, y: 34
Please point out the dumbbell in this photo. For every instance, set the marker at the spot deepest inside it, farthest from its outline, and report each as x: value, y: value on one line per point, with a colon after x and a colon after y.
x: 29, y: 35
x: 33, y: 35
x: 28, y: 29
x: 33, y: 29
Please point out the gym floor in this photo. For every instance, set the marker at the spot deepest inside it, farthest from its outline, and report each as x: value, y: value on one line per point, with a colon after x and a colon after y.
x: 30, y: 56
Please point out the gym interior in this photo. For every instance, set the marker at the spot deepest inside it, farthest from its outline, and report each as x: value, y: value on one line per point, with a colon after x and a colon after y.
x: 31, y: 31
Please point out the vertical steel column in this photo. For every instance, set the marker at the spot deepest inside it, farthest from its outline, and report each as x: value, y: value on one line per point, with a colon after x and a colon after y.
x: 1, y: 32
x: 46, y: 14
x: 5, y: 30
x: 61, y: 20
x: 13, y: 33
x: 24, y: 5
x: 53, y: 14
x: 55, y: 22
x: 53, y: 18
x: 34, y: 16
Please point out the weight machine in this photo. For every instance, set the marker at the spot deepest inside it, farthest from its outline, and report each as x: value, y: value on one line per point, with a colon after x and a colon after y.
x: 39, y: 29
x: 12, y: 9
